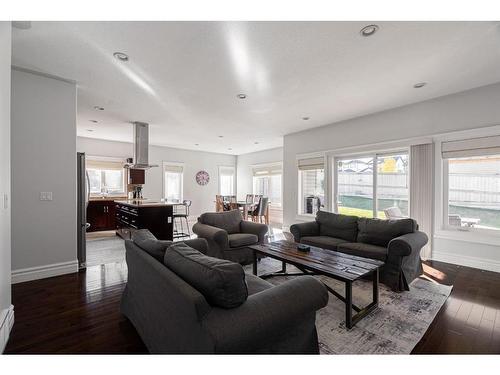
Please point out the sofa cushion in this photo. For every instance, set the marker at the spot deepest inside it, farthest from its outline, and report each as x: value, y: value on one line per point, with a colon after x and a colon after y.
x: 228, y: 220
x: 338, y: 226
x: 242, y: 239
x: 150, y: 244
x: 364, y: 250
x: 255, y: 284
x: 380, y: 232
x: 324, y: 242
x: 221, y: 282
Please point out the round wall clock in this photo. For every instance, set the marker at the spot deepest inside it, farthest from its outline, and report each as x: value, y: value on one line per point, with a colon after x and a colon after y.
x: 202, y: 178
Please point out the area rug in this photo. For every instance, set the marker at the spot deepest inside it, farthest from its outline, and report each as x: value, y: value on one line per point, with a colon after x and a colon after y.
x: 395, y: 327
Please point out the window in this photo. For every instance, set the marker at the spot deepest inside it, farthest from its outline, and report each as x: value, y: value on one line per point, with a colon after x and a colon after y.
x: 267, y: 182
x: 373, y: 185
x: 173, y: 181
x: 226, y: 181
x: 106, y: 177
x: 472, y: 184
x: 311, y: 185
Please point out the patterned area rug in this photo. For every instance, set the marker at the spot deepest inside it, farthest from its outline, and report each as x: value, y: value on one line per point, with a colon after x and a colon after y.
x: 395, y: 327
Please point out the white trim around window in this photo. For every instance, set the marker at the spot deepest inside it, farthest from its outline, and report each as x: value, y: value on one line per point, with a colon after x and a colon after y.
x: 223, y: 170
x: 173, y: 167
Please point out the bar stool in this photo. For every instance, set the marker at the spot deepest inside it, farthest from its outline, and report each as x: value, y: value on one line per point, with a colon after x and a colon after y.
x: 181, y: 211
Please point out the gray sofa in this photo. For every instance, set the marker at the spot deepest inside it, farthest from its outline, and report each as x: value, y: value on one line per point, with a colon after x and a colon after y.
x: 229, y: 236
x: 395, y: 242
x: 173, y: 316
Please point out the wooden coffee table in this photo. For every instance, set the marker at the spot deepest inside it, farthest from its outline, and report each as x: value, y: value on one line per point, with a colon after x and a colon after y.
x: 338, y: 266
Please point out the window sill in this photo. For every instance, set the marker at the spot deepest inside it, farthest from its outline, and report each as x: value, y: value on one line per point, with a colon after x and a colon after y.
x: 468, y: 236
x: 305, y: 217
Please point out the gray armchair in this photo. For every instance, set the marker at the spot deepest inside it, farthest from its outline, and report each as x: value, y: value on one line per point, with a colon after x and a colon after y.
x: 173, y: 317
x: 229, y: 236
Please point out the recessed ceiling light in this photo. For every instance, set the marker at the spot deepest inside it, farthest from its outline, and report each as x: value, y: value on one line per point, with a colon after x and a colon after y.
x: 229, y: 148
x: 196, y: 144
x: 241, y: 96
x: 90, y: 130
x: 305, y: 118
x: 369, y: 30
x: 94, y: 121
x: 98, y: 108
x: 221, y: 136
x: 120, y: 56
x: 419, y: 85
x: 256, y: 143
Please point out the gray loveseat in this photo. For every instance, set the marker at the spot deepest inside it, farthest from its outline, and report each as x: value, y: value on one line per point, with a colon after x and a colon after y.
x: 229, y: 236
x: 173, y: 316
x: 395, y: 242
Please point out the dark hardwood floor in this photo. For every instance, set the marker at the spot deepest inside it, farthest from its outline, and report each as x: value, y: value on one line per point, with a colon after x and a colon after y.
x: 79, y: 313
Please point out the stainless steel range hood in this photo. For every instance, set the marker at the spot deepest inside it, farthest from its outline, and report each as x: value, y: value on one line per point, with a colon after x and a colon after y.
x: 141, y: 147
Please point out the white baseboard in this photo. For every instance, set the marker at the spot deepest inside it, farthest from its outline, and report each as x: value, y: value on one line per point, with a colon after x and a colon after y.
x: 6, y: 323
x: 42, y: 272
x: 468, y: 261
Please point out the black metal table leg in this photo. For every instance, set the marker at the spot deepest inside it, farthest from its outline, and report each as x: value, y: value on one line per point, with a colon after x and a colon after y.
x: 348, y: 304
x: 283, y: 267
x: 375, y: 287
x: 255, y: 263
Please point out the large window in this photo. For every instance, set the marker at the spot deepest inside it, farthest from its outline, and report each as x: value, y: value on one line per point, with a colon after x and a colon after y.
x: 106, y: 177
x: 173, y: 181
x: 372, y: 185
x: 267, y: 182
x: 472, y: 184
x: 226, y: 181
x: 311, y: 185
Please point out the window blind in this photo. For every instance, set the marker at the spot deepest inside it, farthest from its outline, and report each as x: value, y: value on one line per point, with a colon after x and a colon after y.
x: 311, y: 163
x: 226, y: 171
x: 173, y: 168
x: 471, y: 147
x: 104, y: 164
x: 269, y: 170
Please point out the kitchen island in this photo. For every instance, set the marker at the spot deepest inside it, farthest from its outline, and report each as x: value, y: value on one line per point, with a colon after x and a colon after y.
x: 156, y: 216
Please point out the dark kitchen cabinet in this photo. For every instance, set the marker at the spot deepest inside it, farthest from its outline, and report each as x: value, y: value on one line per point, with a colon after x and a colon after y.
x: 157, y: 218
x: 136, y: 176
x: 101, y: 215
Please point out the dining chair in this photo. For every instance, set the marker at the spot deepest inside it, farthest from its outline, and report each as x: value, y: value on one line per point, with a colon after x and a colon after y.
x: 219, y: 203
x: 261, y: 211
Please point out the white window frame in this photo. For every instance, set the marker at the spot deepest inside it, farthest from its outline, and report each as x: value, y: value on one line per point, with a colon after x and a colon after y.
x: 326, y: 170
x: 275, y: 165
x: 175, y: 164
x: 221, y: 167
x: 445, y: 224
x: 375, y: 154
x: 103, y: 159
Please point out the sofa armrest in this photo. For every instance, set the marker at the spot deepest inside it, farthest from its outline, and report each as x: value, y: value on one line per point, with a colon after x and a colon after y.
x: 217, y: 239
x: 199, y: 244
x: 266, y: 315
x: 407, y: 244
x: 300, y: 230
x: 258, y: 229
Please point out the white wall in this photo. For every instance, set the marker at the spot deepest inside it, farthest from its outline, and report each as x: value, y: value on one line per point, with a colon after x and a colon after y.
x: 470, y: 109
x: 244, y: 180
x: 43, y: 160
x: 5, y: 242
x: 203, y: 197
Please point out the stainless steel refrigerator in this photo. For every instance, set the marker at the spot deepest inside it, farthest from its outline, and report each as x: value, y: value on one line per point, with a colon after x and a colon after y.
x: 83, y: 191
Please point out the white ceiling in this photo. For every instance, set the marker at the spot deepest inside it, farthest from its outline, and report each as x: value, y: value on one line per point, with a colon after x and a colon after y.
x: 183, y: 77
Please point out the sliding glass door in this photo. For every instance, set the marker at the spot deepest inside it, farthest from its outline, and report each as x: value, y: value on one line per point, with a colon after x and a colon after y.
x: 372, y: 185
x: 355, y: 186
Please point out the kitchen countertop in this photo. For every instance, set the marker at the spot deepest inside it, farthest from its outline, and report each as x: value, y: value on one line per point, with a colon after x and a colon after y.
x: 145, y: 203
